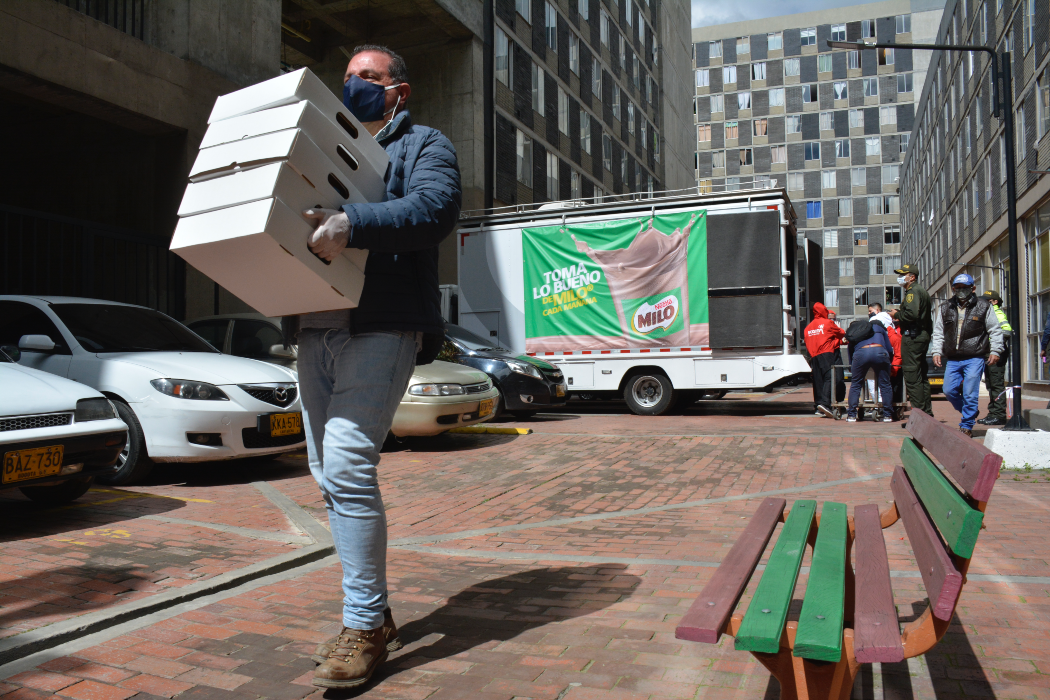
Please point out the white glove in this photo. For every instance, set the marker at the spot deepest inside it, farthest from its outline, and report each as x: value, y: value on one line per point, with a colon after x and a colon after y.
x: 331, y: 234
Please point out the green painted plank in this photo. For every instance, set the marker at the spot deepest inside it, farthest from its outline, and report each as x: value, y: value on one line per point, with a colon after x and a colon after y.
x: 764, y: 621
x: 957, y: 521
x: 819, y: 635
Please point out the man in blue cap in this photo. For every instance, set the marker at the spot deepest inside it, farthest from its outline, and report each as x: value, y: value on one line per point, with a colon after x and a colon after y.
x: 966, y: 332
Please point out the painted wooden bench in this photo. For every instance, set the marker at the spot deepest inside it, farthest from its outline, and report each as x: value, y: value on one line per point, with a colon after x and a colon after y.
x: 848, y: 616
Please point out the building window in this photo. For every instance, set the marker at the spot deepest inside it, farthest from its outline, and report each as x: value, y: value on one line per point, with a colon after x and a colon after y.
x: 616, y: 102
x: 524, y: 8
x: 872, y: 146
x: 845, y: 267
x: 826, y: 121
x: 563, y: 112
x: 1022, y: 143
x: 905, y: 138
x: 585, y: 132
x: 796, y: 181
x: 703, y: 133
x: 905, y: 83
x: 794, y: 124
x: 853, y: 60
x: 966, y: 136
x: 813, y: 210
x: 623, y: 168
x: 809, y: 93
x: 892, y: 204
x: 732, y: 184
x: 732, y: 130
x: 904, y: 24
x: 776, y: 97
x: 607, y: 152
x: 824, y: 63
x: 642, y: 131
x: 856, y: 119
x: 891, y: 235
x: 778, y: 154
x: 842, y: 148
x: 809, y: 36
x: 717, y: 104
x: 718, y: 160
x: 743, y: 45
x: 575, y: 189
x: 524, y: 159
x: 874, y: 206
x: 831, y: 297
x: 759, y: 127
x: 890, y: 174
x: 746, y: 156
x: 537, y: 89
x: 584, y: 8
x: 629, y: 12
x: 845, y: 208
x: 860, y: 236
x: 831, y: 239
x: 743, y: 100
x: 885, y: 57
x: 552, y: 27
x: 875, y: 265
x: 1029, y: 23
x: 987, y: 178
x: 895, y: 293
x: 871, y: 87
x: 596, y: 79
x: 714, y: 49
x: 791, y: 66
x: 1042, y: 104
x: 1002, y: 159
x: 838, y: 32
x: 841, y: 90
x: 812, y: 150
x: 859, y: 177
x: 502, y: 62
x: 728, y: 74
x: 774, y: 41
x: 888, y: 115
x: 630, y: 118
x: 758, y: 71
x: 827, y: 179
x: 574, y: 53
x: 604, y: 25
x: 552, y: 177
x: 867, y: 29
x: 649, y: 82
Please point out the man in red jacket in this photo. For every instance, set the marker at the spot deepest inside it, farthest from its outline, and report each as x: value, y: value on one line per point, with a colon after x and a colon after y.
x: 823, y: 338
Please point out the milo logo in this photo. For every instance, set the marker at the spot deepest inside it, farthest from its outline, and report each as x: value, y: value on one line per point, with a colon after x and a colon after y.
x: 651, y: 317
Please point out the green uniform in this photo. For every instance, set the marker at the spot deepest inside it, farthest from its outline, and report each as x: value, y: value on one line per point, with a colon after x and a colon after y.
x: 916, y: 324
x: 995, y: 375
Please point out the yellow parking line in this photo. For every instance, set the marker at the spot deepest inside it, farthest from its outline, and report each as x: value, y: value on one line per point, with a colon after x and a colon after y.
x: 492, y: 430
x: 139, y: 494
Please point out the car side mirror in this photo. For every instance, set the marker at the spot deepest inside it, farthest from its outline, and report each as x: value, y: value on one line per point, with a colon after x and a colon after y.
x: 38, y: 343
x: 12, y: 352
x: 282, y: 353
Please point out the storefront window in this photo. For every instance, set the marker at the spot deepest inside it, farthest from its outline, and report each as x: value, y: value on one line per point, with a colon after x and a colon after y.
x: 1037, y: 230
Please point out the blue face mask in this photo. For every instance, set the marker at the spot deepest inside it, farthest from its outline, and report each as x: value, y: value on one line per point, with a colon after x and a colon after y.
x: 366, y: 100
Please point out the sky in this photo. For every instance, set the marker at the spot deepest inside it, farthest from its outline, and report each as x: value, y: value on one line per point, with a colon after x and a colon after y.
x: 707, y: 12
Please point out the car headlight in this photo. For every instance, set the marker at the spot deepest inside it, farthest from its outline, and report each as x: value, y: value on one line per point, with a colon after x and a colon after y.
x: 185, y: 389
x: 437, y: 390
x: 526, y: 368
x: 94, y: 409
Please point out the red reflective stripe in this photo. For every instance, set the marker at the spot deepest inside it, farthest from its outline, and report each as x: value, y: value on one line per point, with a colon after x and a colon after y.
x: 606, y: 352
x: 665, y: 349
x: 644, y: 350
x: 624, y: 351
x: 585, y: 352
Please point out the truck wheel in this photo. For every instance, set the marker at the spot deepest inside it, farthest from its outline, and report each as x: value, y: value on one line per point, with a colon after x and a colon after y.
x: 57, y: 494
x: 133, y: 463
x: 649, y: 394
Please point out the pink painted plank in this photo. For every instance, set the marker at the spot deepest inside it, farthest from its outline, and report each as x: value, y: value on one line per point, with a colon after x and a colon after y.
x: 943, y: 581
x: 973, y: 466
x: 709, y: 613
x: 876, y: 633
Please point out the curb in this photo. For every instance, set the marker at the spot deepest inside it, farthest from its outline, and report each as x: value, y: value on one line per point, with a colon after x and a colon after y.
x: 492, y: 430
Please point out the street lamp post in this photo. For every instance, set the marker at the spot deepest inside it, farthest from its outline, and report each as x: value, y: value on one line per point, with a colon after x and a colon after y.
x: 1002, y: 109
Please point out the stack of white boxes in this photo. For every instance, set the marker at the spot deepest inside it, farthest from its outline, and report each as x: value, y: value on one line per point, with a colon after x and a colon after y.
x: 271, y: 151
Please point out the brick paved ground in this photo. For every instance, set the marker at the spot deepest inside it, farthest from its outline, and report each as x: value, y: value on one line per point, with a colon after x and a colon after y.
x: 486, y: 615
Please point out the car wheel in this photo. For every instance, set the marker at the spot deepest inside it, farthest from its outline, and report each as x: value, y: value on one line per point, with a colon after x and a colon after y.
x: 57, y: 494
x: 133, y: 463
x: 500, y: 408
x: 649, y: 394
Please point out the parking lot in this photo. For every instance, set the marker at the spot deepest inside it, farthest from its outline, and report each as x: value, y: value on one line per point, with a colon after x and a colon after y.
x: 550, y: 565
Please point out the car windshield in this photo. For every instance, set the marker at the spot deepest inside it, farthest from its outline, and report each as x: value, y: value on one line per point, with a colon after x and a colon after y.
x: 4, y: 357
x: 464, y: 337
x: 111, y: 328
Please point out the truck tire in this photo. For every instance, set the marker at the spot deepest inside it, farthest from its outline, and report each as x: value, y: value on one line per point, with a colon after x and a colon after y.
x: 649, y: 394
x: 57, y: 494
x: 133, y: 463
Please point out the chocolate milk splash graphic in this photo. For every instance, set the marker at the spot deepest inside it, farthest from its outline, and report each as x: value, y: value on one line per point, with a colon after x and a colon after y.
x: 653, y: 264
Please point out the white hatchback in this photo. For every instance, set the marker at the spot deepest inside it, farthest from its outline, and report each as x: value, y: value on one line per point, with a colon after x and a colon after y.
x: 182, y: 400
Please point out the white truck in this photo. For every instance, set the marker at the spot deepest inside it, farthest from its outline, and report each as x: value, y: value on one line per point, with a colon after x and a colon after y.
x: 635, y: 315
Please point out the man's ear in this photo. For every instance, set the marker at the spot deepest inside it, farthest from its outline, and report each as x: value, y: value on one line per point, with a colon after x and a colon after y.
x: 406, y: 90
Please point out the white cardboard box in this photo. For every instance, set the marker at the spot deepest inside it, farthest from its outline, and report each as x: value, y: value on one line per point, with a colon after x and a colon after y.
x: 258, y: 251
x: 273, y: 180
x: 358, y: 147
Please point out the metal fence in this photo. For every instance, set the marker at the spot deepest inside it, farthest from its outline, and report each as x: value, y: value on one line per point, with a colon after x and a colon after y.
x: 128, y: 16
x: 53, y: 255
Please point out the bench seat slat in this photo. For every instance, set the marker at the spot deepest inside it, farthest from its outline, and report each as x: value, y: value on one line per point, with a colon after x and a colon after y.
x: 957, y: 521
x: 971, y: 464
x: 709, y: 613
x: 942, y: 580
x: 767, y: 612
x: 876, y: 632
x: 819, y: 635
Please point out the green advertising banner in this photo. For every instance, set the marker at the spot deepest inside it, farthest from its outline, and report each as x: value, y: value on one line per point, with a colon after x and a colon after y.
x: 630, y: 283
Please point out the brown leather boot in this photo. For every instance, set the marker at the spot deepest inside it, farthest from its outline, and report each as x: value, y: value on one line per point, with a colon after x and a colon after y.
x: 353, y: 660
x: 322, y: 651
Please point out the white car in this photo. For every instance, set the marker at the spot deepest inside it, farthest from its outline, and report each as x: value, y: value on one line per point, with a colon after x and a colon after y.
x: 181, y: 399
x: 442, y: 396
x: 55, y: 435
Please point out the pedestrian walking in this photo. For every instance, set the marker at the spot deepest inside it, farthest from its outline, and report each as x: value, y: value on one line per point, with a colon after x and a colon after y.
x: 823, y: 339
x: 354, y: 366
x: 916, y: 325
x: 995, y: 372
x: 870, y: 348
x: 967, y: 335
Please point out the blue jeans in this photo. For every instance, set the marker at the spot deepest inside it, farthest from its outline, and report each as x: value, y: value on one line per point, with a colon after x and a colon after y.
x: 871, y: 358
x: 962, y: 385
x: 351, y: 386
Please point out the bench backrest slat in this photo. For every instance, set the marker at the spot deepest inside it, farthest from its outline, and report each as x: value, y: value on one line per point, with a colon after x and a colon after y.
x: 710, y: 612
x: 957, y: 521
x: 971, y: 464
x: 942, y: 580
x: 764, y: 621
x: 819, y: 634
x: 876, y: 634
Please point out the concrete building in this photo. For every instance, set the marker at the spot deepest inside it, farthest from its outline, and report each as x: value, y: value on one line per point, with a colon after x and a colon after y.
x: 954, y: 176
x: 775, y: 104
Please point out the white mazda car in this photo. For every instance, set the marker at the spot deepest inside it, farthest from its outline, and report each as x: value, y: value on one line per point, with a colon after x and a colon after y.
x: 181, y: 399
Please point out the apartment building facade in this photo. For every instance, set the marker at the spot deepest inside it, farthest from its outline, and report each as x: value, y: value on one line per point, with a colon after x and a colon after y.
x: 774, y: 104
x: 954, y: 175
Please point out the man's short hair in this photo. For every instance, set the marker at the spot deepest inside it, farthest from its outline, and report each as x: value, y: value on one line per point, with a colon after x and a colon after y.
x: 398, y: 70
x: 875, y: 305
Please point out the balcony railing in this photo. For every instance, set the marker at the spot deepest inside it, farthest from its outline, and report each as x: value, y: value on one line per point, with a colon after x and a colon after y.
x: 128, y: 16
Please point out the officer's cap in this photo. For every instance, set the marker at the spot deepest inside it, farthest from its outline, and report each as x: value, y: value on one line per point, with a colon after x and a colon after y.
x: 905, y: 269
x: 993, y: 295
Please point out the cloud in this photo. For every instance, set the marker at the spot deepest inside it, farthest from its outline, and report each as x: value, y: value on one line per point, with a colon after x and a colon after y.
x: 708, y: 12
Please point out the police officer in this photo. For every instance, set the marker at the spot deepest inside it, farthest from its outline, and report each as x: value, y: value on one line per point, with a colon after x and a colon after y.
x: 916, y: 324
x: 995, y: 373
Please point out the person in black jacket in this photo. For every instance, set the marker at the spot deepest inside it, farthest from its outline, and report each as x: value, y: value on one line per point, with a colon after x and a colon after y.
x: 354, y: 366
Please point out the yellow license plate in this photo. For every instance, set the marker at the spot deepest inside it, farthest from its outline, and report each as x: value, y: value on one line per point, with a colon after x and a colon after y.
x: 286, y: 424
x: 34, y: 463
x: 485, y: 407
x: 936, y: 381
x: 560, y: 391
